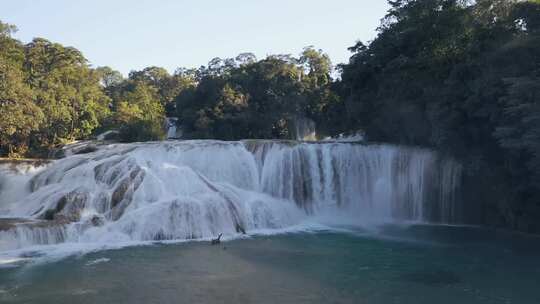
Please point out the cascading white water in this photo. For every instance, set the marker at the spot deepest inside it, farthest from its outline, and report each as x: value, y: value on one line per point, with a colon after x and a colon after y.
x: 304, y: 129
x: 198, y: 189
x: 14, y: 177
x: 173, y: 131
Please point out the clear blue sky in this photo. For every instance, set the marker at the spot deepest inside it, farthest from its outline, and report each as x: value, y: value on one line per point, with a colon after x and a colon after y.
x: 133, y: 34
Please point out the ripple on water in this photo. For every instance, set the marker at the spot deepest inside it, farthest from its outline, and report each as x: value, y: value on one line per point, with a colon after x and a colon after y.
x: 437, y: 277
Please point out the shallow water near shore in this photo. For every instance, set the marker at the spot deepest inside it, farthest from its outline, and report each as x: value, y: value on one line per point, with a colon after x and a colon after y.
x: 395, y: 264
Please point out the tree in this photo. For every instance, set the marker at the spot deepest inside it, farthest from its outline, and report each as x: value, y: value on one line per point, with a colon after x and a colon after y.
x: 317, y: 84
x: 519, y: 130
x: 109, y: 77
x: 460, y: 77
x: 245, y: 58
x: 139, y: 114
x: 167, y: 86
x: 67, y: 91
x: 19, y: 115
x: 244, y: 98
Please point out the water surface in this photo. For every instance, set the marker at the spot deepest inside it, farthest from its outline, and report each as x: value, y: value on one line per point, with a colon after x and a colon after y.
x: 397, y: 264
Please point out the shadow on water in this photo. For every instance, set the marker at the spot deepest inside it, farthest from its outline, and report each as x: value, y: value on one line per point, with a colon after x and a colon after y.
x: 466, y: 236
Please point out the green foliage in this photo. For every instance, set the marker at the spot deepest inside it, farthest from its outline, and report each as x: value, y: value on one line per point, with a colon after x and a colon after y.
x: 141, y: 102
x: 19, y: 115
x: 138, y: 113
x: 461, y: 77
x: 167, y: 86
x: 51, y: 96
x: 317, y: 87
x: 67, y: 91
x: 245, y: 98
x: 519, y: 130
x: 109, y: 78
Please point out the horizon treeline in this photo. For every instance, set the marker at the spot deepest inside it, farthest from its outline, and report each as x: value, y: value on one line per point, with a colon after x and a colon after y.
x: 459, y: 76
x: 50, y: 96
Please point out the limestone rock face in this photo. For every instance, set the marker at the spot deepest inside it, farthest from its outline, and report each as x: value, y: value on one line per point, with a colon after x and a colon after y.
x: 123, y: 193
x: 68, y: 207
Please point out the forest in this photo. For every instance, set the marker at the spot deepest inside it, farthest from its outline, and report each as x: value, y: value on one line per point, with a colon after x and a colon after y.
x: 463, y: 79
x: 51, y: 96
x: 458, y: 76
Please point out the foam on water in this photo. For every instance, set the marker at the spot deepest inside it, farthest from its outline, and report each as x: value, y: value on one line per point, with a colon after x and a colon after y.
x: 13, y: 181
x: 127, y: 194
x: 97, y: 261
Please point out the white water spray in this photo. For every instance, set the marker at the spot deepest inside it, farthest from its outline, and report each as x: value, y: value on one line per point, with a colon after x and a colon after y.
x: 198, y: 189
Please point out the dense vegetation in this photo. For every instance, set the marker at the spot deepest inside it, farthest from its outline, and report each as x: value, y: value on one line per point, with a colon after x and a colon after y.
x: 245, y: 98
x: 464, y: 79
x: 50, y: 96
x: 47, y: 94
x: 459, y: 76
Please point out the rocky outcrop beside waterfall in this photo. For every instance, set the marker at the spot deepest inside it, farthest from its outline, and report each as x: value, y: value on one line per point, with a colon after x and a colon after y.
x: 21, y: 166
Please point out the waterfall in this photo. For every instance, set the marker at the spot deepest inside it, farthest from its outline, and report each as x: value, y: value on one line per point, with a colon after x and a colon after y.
x: 173, y: 131
x: 198, y: 189
x: 304, y: 129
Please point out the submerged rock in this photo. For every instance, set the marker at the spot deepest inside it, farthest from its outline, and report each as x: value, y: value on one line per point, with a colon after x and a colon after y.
x: 97, y: 221
x: 10, y: 223
x: 123, y: 193
x: 68, y: 208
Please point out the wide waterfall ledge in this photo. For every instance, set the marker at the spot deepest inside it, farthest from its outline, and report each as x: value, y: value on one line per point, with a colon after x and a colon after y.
x: 199, y: 189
